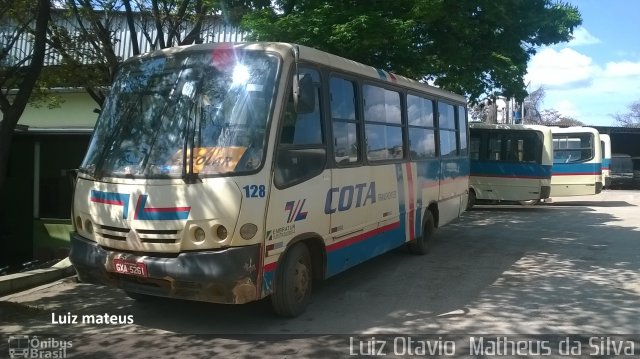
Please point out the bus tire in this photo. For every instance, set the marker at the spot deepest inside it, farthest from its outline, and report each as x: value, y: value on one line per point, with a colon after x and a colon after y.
x: 471, y: 199
x: 292, y: 288
x: 422, y: 245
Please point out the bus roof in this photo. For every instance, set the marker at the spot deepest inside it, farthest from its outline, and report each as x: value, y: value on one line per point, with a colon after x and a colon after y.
x: 504, y: 126
x: 319, y: 57
x: 574, y: 129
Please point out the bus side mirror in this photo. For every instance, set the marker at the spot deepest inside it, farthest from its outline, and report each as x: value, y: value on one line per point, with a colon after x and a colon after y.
x: 304, y: 96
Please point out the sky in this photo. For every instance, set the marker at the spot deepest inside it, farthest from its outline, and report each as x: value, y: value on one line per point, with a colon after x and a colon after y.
x: 597, y: 73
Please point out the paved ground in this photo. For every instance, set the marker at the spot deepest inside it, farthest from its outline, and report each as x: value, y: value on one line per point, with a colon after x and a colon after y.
x: 572, y: 266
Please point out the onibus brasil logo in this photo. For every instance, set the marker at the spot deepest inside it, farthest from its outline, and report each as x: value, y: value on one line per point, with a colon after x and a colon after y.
x: 24, y: 346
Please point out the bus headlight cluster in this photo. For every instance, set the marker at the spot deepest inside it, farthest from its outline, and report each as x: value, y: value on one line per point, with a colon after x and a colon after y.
x: 84, y: 227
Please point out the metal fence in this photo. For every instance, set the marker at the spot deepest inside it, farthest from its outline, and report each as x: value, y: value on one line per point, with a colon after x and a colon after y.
x: 214, y: 29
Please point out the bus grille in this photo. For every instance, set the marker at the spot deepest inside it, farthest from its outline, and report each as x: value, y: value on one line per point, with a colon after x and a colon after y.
x: 146, y: 235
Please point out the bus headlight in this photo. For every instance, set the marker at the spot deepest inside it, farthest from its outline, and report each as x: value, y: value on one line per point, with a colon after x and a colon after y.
x: 221, y: 232
x: 199, y: 235
x: 88, y: 226
x: 248, y: 231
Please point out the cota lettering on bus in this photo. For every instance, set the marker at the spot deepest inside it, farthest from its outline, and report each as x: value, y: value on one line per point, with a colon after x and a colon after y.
x: 360, y: 193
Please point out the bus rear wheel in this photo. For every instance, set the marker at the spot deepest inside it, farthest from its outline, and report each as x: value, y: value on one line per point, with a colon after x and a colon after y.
x: 471, y: 199
x: 292, y: 287
x: 422, y: 245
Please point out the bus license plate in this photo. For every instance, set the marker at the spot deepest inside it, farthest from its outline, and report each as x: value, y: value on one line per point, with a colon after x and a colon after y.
x: 129, y: 267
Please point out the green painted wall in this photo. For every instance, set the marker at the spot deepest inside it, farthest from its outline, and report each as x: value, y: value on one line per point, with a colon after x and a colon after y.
x: 75, y: 111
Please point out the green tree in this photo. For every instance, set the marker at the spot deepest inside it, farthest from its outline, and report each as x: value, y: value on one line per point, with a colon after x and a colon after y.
x: 19, y: 68
x: 475, y: 47
x: 631, y: 118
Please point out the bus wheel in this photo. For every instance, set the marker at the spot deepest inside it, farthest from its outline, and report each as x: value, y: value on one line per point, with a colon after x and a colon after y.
x: 423, y: 244
x: 471, y: 199
x: 529, y: 202
x: 292, y: 287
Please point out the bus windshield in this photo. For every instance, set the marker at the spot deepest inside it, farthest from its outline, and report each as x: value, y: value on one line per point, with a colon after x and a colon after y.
x: 202, y: 113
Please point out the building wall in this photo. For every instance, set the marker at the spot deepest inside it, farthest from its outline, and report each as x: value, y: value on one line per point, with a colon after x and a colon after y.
x: 76, y: 110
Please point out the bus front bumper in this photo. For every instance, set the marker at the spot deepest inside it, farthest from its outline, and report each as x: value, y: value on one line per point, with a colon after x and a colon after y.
x: 226, y: 276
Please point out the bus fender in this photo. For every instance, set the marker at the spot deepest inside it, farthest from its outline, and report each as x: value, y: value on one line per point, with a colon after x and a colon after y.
x: 317, y: 250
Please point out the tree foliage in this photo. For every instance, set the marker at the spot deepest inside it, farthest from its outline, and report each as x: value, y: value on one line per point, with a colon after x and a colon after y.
x: 555, y: 118
x: 631, y: 118
x: 19, y: 68
x: 475, y: 47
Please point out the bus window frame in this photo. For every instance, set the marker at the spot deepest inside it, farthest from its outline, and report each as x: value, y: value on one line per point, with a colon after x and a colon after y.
x: 436, y: 133
x: 288, y: 93
x: 359, y: 121
x: 402, y: 125
x: 455, y: 130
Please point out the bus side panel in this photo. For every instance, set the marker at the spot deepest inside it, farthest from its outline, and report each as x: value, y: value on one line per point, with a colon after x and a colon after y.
x: 504, y: 181
x: 575, y: 179
x: 429, y: 178
x: 293, y: 211
x: 369, y: 219
x: 454, y: 183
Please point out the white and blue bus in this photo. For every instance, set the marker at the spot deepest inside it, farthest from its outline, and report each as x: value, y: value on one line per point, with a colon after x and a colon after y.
x: 509, y: 163
x: 230, y: 172
x: 605, y: 143
x: 577, y: 162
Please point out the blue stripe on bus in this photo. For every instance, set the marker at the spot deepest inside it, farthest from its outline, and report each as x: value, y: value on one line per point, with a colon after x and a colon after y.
x: 576, y: 169
x: 606, y: 163
x: 510, y: 170
x: 267, y: 281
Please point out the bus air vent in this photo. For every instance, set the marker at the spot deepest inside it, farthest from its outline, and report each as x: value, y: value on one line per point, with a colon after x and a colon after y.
x: 158, y: 235
x: 114, y: 233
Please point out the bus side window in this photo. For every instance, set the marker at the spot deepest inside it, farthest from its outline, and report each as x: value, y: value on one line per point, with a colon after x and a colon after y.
x: 301, y: 152
x: 346, y: 131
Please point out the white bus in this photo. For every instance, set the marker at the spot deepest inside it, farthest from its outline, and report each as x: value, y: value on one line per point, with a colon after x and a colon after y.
x: 577, y: 162
x: 229, y: 172
x: 605, y: 143
x: 509, y: 163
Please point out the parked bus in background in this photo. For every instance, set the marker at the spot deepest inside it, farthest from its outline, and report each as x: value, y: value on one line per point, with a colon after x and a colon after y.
x: 605, y: 142
x: 621, y: 171
x: 230, y: 172
x: 577, y: 162
x: 509, y: 163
